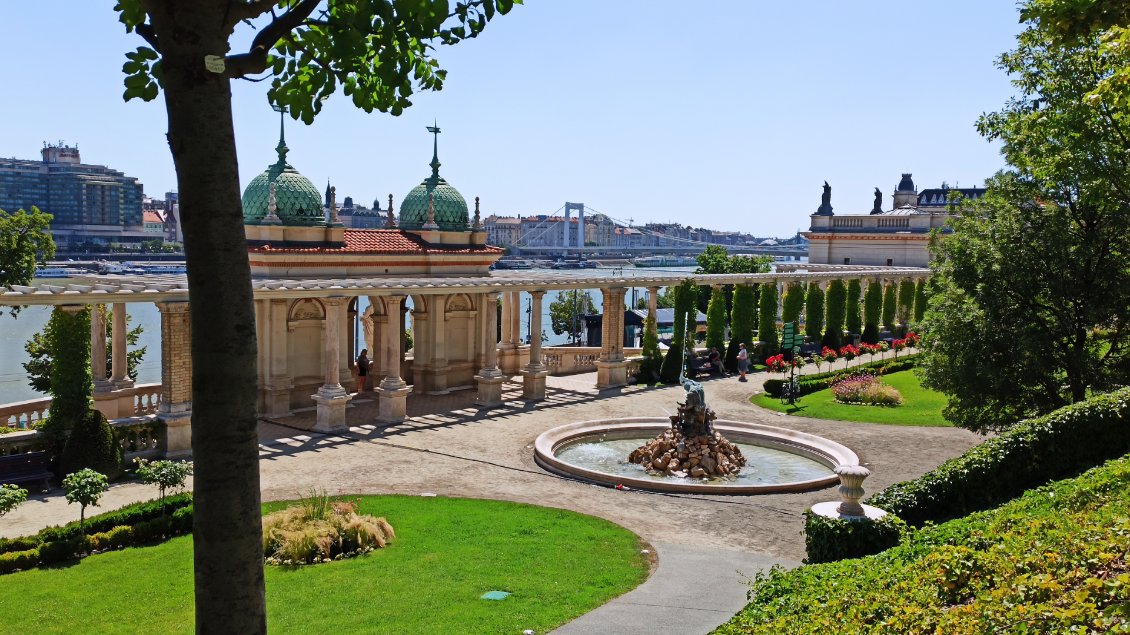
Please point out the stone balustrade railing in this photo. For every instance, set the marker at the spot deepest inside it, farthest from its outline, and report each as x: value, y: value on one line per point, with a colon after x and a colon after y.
x: 570, y: 360
x: 22, y: 441
x: 140, y: 437
x: 23, y: 415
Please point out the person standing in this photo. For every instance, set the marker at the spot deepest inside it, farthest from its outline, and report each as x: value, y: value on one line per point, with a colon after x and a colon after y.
x: 363, y: 364
x: 743, y: 362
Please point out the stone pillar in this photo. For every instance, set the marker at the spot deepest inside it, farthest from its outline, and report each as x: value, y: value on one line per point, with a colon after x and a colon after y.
x: 652, y: 302
x: 507, y: 338
x: 611, y: 368
x: 119, y: 373
x: 175, y: 409
x: 533, y: 376
x: 510, y: 357
x: 98, y: 348
x: 392, y: 394
x: 516, y: 318
x: 489, y: 378
x: 276, y: 375
x: 332, y: 397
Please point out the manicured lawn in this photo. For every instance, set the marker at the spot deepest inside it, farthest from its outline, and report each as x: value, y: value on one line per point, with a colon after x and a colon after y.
x: 447, y: 553
x: 921, y: 407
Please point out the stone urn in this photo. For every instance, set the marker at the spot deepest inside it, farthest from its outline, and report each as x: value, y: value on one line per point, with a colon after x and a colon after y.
x: 851, y: 488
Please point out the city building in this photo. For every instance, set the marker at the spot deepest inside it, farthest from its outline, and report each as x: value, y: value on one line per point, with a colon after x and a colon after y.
x: 503, y: 231
x: 91, y: 205
x: 896, y: 237
x: 154, y: 224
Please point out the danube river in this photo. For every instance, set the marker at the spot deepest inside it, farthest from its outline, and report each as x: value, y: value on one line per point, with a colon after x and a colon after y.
x: 14, y: 332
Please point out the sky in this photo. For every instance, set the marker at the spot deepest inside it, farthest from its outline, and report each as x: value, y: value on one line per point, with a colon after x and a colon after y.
x: 727, y: 114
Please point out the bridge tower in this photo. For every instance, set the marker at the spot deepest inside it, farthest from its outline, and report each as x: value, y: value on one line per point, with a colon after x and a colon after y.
x: 580, y: 209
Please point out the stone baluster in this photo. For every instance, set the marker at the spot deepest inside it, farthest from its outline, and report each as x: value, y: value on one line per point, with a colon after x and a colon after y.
x: 533, y: 384
x: 392, y: 395
x: 331, y: 396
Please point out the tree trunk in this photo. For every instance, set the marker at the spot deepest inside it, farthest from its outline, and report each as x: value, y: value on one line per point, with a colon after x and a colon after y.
x: 228, y: 552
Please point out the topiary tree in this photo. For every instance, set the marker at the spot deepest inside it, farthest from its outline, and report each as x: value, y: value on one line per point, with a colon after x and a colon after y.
x: 716, y: 319
x: 652, y: 357
x: 852, y: 321
x: 91, y: 444
x: 85, y: 487
x: 793, y: 303
x: 814, y: 312
x: 920, y: 301
x: 166, y: 475
x: 905, y: 304
x: 767, y: 319
x: 872, y: 312
x: 10, y: 497
x: 686, y: 300
x: 890, y: 306
x: 741, y: 323
x: 835, y: 299
x: 72, y: 384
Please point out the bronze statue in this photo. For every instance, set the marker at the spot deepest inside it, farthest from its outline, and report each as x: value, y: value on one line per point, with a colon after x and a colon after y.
x: 878, y: 208
x: 826, y: 198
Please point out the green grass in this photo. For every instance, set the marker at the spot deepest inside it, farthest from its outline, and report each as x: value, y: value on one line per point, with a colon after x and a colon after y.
x: 448, y: 552
x: 921, y: 406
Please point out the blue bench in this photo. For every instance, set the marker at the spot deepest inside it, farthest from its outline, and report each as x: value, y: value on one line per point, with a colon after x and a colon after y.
x: 29, y: 467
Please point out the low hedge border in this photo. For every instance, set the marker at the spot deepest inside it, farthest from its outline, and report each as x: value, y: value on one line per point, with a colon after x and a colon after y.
x: 812, y: 383
x: 135, y: 524
x: 1063, y: 443
x: 831, y: 539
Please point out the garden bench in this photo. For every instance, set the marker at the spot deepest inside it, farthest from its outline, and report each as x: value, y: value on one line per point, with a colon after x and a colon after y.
x: 700, y: 365
x: 29, y: 467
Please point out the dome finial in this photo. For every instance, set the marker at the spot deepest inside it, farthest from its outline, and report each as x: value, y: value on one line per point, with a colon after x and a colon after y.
x: 434, y: 129
x: 478, y: 223
x: 390, y: 222
x: 281, y: 148
x: 431, y: 222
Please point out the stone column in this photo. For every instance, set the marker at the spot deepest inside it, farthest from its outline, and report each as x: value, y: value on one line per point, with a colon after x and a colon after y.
x: 533, y: 376
x: 652, y: 302
x: 516, y: 318
x: 119, y: 374
x: 175, y: 409
x: 332, y: 397
x: 98, y: 348
x: 506, y: 336
x: 489, y: 378
x: 276, y: 375
x: 392, y: 394
x: 611, y: 368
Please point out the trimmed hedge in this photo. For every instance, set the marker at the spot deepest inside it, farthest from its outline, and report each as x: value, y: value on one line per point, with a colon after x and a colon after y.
x: 812, y: 383
x: 131, y: 525
x: 831, y: 539
x: 1033, y: 452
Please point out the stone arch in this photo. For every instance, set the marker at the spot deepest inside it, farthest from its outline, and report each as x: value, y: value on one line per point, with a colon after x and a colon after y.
x: 459, y: 302
x: 306, y: 309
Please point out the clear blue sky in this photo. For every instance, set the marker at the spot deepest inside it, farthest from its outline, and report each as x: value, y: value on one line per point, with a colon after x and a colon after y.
x: 728, y: 115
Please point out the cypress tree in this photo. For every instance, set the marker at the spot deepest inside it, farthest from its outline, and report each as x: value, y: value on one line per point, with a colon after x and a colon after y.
x: 91, y: 445
x: 814, y: 312
x: 716, y: 320
x: 72, y: 384
x: 652, y: 356
x: 905, y: 303
x: 872, y: 311
x: 890, y: 306
x: 741, y: 324
x: 686, y: 300
x: 852, y: 321
x: 767, y: 320
x: 920, y: 301
x: 793, y: 303
x: 836, y: 301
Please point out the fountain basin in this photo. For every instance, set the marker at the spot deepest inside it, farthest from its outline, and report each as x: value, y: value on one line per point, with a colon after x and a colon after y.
x: 809, y: 446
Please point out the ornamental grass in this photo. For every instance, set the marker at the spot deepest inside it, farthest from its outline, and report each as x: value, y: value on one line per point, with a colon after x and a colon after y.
x: 320, y: 529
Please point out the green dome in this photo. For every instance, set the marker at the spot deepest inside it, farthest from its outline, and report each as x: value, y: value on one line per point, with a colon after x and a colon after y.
x: 451, y: 210
x: 297, y: 201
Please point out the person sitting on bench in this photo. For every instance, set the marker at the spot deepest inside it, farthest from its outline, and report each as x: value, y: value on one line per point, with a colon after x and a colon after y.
x: 716, y: 362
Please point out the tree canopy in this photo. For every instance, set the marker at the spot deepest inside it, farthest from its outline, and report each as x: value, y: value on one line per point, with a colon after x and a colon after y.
x: 566, y: 311
x: 25, y: 242
x: 716, y: 259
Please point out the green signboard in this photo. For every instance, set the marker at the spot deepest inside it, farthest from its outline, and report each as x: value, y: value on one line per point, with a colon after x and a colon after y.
x: 790, y: 337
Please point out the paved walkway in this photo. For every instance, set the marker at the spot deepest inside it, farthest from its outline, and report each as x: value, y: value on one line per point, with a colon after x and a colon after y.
x: 451, y: 447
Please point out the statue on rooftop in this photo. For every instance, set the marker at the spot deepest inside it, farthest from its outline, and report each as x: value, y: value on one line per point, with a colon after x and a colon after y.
x: 878, y: 208
x: 826, y: 201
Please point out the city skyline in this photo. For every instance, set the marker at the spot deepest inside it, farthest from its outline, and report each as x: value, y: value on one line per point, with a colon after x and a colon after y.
x: 638, y: 115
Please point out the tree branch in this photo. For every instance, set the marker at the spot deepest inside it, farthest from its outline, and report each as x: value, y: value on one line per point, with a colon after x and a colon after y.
x: 255, y: 59
x: 249, y: 10
x: 145, y: 30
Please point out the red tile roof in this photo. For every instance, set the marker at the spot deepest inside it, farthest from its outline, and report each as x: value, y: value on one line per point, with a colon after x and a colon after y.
x: 382, y: 241
x: 152, y: 217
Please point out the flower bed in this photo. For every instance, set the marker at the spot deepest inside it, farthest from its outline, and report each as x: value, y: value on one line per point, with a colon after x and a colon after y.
x: 865, y: 388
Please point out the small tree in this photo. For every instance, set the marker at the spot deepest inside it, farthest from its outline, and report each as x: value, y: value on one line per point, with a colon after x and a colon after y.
x: 91, y: 444
x: 72, y: 388
x: 767, y: 320
x: 852, y: 321
x: 85, y: 487
x: 741, y: 324
x: 10, y: 497
x: 716, y: 320
x: 890, y: 306
x: 814, y: 312
x: 566, y: 310
x: 652, y: 356
x: 872, y: 312
x: 920, y: 301
x: 835, y: 299
x: 905, y: 303
x: 793, y: 303
x: 166, y: 475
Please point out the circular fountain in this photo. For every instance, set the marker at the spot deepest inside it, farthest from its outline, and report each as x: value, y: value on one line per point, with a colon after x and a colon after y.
x: 691, y: 452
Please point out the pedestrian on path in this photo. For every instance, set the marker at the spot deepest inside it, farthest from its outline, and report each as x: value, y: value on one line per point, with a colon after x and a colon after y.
x: 363, y: 364
x: 743, y: 362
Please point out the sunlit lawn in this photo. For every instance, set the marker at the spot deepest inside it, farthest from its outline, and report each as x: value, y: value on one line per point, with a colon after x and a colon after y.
x: 921, y: 406
x: 447, y: 553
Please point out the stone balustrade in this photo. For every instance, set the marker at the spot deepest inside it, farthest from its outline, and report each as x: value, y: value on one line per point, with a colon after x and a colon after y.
x: 570, y: 360
x: 24, y: 415
x: 141, y: 437
x: 22, y: 441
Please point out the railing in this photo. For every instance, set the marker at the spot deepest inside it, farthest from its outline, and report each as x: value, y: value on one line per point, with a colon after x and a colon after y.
x: 21, y: 442
x: 570, y: 360
x: 25, y: 415
x: 140, y: 437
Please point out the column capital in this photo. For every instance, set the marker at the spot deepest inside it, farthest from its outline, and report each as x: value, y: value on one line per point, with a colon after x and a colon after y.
x: 336, y: 300
x: 172, y: 306
x: 72, y: 308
